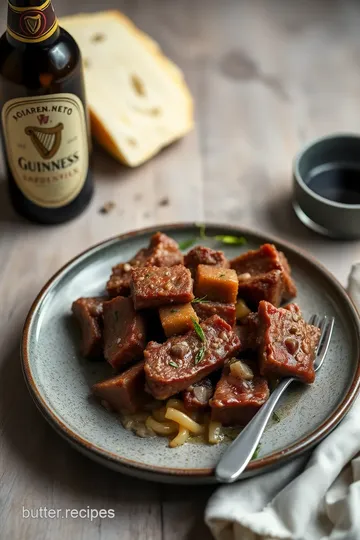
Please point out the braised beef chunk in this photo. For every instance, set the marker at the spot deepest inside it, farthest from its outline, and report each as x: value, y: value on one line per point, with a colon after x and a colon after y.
x: 154, y: 286
x: 124, y: 332
x: 204, y: 255
x: 88, y: 311
x: 205, y: 310
x: 268, y: 287
x: 184, y: 360
x: 236, y: 400
x: 162, y: 251
x: 264, y: 274
x: 247, y: 332
x: 218, y: 353
x: 120, y: 279
x: 197, y: 396
x: 125, y: 392
x: 289, y: 285
x: 258, y: 261
x: 287, y: 343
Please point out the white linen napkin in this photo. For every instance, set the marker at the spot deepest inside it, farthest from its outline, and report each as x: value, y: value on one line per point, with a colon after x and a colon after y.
x: 315, y: 497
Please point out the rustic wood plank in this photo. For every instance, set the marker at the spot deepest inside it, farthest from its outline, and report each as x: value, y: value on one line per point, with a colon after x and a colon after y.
x: 266, y: 77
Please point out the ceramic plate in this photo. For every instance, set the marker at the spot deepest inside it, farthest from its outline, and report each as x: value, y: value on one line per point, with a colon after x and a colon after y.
x: 60, y: 380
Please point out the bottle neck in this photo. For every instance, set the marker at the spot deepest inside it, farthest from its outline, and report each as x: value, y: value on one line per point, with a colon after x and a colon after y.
x: 32, y: 21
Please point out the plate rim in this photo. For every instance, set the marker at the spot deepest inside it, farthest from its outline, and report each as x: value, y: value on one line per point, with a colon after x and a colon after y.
x: 275, y: 459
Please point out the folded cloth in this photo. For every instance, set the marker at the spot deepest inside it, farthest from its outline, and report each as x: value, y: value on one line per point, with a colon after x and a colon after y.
x: 314, y: 497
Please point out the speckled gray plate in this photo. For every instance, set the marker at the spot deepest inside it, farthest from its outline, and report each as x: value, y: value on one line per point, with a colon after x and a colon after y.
x: 59, y: 379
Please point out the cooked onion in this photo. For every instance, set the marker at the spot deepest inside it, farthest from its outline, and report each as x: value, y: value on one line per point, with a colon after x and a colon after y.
x: 184, y: 420
x: 175, y: 404
x: 241, y: 370
x: 202, y: 393
x: 242, y: 309
x: 180, y: 438
x: 162, y: 428
x: 215, y: 434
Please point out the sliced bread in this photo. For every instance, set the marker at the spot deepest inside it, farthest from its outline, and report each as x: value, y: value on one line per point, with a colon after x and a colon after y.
x: 138, y: 99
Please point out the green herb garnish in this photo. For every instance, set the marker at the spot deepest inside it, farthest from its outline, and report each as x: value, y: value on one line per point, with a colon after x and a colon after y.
x: 200, y: 300
x: 116, y: 315
x: 223, y: 238
x: 200, y: 355
x: 202, y: 230
x: 173, y: 363
x: 198, y: 330
x: 147, y: 275
x: 276, y: 417
x: 222, y: 275
x: 256, y: 453
x: 232, y: 240
x: 188, y: 243
x: 174, y: 310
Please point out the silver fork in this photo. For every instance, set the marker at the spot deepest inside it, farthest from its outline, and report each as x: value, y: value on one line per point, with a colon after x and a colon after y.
x: 240, y: 452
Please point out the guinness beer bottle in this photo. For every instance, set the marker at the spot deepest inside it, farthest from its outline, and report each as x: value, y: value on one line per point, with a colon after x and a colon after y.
x: 44, y: 122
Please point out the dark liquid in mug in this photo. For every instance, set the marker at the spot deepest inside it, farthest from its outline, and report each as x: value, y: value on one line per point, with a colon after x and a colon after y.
x: 336, y: 182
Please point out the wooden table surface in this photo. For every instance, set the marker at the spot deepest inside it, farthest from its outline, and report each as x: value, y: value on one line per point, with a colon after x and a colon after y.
x: 266, y: 77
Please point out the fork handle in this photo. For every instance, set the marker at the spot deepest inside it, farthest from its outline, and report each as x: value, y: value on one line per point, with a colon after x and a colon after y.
x: 240, y: 452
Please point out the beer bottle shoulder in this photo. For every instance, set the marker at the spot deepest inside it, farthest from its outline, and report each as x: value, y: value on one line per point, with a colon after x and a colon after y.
x: 25, y: 63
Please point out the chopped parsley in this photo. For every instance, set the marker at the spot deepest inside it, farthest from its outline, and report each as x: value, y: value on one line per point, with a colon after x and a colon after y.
x: 172, y: 363
x: 174, y: 310
x: 147, y: 275
x: 231, y: 240
x: 222, y: 275
x: 116, y: 315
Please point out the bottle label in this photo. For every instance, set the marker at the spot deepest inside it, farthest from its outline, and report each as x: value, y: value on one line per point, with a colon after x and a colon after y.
x: 47, y: 147
x: 31, y: 24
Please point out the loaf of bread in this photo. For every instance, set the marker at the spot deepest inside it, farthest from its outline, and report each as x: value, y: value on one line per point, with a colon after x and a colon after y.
x: 138, y: 99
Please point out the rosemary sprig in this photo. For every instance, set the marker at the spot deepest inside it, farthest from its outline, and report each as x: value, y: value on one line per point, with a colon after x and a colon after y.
x: 231, y: 240
x: 200, y: 300
x: 199, y: 331
x: 200, y: 355
x: 173, y: 363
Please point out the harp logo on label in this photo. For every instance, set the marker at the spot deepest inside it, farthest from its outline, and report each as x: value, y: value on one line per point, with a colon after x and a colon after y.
x: 33, y: 23
x: 46, y: 140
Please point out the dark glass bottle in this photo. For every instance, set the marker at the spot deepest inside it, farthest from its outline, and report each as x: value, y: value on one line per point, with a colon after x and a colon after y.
x: 44, y: 121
